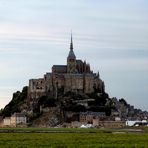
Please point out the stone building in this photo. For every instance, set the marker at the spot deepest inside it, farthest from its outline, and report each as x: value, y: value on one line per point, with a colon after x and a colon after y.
x: 87, y: 117
x: 75, y: 77
x: 108, y: 124
x: 7, y: 122
x: 16, y: 120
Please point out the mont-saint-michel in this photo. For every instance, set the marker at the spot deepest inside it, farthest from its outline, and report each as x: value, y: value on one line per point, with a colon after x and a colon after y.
x: 75, y: 77
x: 74, y: 74
x: 71, y: 95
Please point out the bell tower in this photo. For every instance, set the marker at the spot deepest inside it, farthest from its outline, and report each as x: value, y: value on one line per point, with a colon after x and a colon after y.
x: 71, y: 59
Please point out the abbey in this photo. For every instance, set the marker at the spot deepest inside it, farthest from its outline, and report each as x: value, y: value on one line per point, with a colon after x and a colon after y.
x: 75, y: 77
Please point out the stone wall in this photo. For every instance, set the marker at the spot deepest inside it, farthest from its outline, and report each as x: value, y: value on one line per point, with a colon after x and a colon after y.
x: 108, y: 124
x: 51, y: 83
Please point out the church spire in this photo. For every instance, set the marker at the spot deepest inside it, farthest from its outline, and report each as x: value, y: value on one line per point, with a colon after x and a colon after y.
x: 71, y: 52
x: 71, y: 44
x: 71, y: 59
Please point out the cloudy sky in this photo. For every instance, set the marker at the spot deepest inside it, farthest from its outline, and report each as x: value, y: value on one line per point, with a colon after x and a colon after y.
x: 112, y: 35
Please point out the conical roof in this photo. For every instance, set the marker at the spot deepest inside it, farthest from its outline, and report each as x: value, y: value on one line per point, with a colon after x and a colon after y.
x: 71, y: 52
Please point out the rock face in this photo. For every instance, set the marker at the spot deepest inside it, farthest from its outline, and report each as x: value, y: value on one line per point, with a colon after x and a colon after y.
x: 75, y: 77
x: 50, y: 117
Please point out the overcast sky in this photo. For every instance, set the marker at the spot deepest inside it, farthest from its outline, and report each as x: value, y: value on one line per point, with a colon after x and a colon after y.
x: 112, y: 35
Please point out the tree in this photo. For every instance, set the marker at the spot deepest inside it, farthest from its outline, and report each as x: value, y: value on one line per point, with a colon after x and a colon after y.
x: 14, y: 105
x: 123, y: 101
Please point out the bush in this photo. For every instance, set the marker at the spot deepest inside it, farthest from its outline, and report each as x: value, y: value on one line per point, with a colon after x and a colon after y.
x: 76, y: 108
x: 47, y: 101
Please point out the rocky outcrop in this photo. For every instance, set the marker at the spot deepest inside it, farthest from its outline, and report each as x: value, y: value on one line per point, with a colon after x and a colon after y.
x: 49, y: 118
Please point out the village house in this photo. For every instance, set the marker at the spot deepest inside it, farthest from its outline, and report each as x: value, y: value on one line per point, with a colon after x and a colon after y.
x: 87, y: 117
x: 108, y: 124
x: 6, y: 122
x: 76, y: 124
x: 16, y: 120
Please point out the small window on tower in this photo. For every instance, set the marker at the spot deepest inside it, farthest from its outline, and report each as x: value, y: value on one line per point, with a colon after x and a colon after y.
x: 71, y: 60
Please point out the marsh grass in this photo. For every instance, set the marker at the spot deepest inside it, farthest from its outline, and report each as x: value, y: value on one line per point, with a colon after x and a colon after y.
x: 87, y: 138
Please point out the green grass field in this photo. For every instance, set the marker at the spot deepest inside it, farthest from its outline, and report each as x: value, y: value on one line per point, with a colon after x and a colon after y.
x: 74, y: 138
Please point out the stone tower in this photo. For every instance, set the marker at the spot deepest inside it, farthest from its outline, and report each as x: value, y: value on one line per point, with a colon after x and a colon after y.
x: 71, y: 59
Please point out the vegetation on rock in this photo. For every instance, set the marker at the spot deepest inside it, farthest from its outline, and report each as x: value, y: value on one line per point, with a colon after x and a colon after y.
x: 16, y: 104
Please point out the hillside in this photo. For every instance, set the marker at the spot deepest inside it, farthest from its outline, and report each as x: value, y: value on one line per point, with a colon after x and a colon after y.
x: 17, y: 104
x: 51, y: 112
